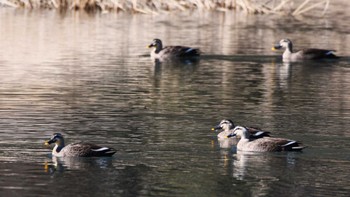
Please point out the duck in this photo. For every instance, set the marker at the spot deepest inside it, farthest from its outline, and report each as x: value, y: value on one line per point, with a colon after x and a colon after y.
x: 304, y: 54
x: 170, y: 52
x: 228, y: 126
x: 80, y: 149
x: 264, y: 144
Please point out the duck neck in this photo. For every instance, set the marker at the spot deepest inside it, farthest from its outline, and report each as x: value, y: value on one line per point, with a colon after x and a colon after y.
x: 290, y: 48
x: 288, y: 52
x: 244, y: 140
x: 59, y: 146
x: 158, y: 48
x: 227, y: 127
x: 245, y: 136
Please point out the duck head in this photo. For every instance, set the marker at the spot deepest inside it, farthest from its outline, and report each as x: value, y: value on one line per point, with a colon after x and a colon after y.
x: 224, y: 125
x: 241, y: 132
x: 284, y: 43
x: 157, y: 44
x: 56, y: 138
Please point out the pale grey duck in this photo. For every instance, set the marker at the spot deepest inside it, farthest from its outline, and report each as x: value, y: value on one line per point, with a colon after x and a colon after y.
x: 264, y: 144
x: 304, y: 54
x: 80, y: 149
x: 227, y: 126
x: 169, y: 52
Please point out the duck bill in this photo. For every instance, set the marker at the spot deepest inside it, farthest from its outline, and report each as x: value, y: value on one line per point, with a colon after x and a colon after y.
x: 150, y: 46
x: 216, y: 128
x: 276, y: 47
x: 48, y: 142
x: 231, y: 135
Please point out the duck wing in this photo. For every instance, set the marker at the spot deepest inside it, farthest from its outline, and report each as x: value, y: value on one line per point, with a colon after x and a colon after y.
x: 84, y: 149
x: 292, y: 145
x: 181, y: 51
x: 269, y: 144
x: 256, y: 133
x: 318, y: 53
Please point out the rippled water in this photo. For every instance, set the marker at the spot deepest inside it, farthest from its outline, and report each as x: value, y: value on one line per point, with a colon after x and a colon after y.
x: 90, y: 78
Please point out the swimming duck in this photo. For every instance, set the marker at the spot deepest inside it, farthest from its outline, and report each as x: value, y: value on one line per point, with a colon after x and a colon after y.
x: 305, y: 54
x: 81, y: 149
x: 264, y: 144
x: 227, y: 126
x: 162, y: 53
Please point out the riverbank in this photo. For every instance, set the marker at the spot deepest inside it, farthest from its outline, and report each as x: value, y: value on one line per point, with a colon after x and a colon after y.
x: 285, y: 7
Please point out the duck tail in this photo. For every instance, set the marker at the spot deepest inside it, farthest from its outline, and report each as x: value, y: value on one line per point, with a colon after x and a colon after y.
x: 298, y: 148
x: 104, y: 151
x: 330, y: 54
x: 192, y: 52
x: 292, y: 146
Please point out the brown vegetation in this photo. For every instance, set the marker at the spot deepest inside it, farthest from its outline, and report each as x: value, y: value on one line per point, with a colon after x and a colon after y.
x: 293, y: 7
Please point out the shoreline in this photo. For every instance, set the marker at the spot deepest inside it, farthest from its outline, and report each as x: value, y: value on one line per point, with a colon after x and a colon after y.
x: 279, y: 7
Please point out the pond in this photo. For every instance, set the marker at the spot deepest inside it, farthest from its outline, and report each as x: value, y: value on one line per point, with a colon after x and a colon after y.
x: 90, y: 77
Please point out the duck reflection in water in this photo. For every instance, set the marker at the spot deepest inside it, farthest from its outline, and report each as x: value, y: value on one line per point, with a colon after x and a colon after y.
x: 263, y: 170
x: 177, y: 71
x: 283, y: 73
x: 182, y: 65
x: 178, y: 62
x: 60, y: 164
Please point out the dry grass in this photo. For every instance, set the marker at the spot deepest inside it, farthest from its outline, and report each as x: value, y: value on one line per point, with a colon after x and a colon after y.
x: 293, y: 7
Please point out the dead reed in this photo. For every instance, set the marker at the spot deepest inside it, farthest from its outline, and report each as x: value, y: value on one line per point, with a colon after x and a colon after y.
x: 293, y: 7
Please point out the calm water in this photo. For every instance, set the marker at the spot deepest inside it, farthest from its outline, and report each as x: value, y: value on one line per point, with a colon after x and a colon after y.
x: 90, y: 78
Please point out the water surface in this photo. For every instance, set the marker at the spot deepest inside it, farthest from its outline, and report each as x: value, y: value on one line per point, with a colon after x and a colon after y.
x: 90, y: 78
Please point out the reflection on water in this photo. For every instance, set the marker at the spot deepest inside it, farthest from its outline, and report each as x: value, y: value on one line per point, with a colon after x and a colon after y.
x: 227, y: 143
x: 90, y: 78
x: 264, y: 170
x: 72, y: 163
x: 283, y: 74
